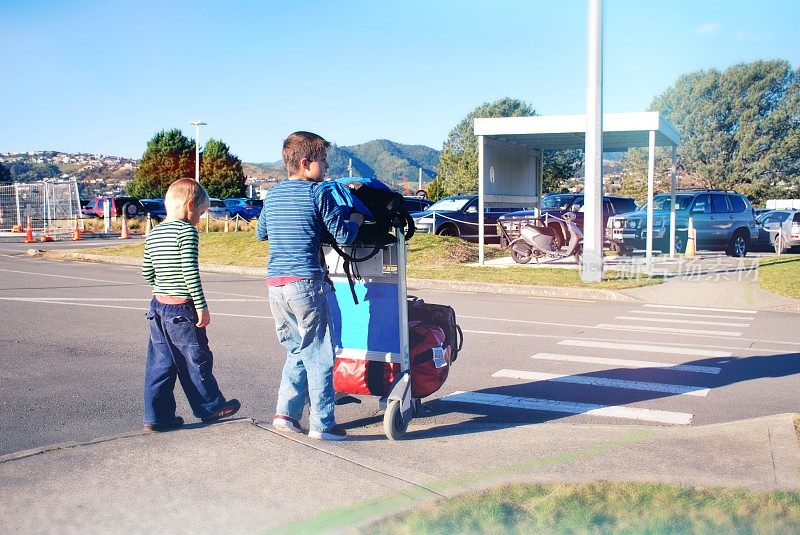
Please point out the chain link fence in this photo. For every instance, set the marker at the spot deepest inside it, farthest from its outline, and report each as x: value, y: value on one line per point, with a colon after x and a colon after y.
x: 50, y: 206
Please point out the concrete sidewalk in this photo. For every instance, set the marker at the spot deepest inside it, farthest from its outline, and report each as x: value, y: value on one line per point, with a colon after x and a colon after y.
x: 243, y: 477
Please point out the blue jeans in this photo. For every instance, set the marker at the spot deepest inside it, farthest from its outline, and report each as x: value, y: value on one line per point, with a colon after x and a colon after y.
x: 179, y: 349
x: 300, y: 310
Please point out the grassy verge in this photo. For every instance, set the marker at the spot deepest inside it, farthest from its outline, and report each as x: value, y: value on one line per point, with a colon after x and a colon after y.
x: 780, y: 275
x: 429, y: 257
x: 602, y: 508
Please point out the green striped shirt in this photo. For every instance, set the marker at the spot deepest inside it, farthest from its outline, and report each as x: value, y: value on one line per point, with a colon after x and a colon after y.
x: 170, y: 262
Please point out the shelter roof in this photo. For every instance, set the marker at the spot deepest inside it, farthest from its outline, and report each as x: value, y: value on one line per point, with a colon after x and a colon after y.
x: 621, y: 131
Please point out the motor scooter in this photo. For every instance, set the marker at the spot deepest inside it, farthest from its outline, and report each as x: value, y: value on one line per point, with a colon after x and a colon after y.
x: 537, y: 239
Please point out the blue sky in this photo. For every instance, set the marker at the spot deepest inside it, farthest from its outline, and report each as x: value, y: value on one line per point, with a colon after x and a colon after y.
x: 104, y: 76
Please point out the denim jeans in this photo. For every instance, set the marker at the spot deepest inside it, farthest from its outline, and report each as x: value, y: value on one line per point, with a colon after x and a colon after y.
x: 179, y: 349
x: 300, y: 310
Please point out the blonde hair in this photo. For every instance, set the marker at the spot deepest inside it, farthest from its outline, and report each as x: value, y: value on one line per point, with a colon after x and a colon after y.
x: 184, y: 190
x: 301, y: 145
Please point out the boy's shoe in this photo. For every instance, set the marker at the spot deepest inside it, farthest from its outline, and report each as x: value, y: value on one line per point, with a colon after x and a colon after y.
x: 228, y: 409
x: 337, y: 432
x: 157, y: 428
x: 284, y: 423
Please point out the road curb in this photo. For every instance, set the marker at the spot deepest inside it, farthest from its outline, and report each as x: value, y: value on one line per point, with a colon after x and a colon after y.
x: 560, y: 292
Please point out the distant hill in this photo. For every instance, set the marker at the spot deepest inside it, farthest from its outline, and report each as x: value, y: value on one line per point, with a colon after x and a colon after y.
x: 97, y: 174
x: 385, y: 160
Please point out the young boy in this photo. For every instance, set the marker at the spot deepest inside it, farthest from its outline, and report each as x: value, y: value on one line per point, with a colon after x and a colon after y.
x: 178, y: 316
x: 296, y: 211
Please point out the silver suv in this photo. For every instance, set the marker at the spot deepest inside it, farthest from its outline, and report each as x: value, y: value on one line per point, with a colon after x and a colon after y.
x: 724, y: 221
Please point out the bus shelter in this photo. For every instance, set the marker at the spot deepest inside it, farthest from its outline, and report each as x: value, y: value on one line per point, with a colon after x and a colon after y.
x: 510, y: 157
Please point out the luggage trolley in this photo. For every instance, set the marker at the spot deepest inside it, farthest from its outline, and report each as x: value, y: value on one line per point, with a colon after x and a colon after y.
x: 376, y: 328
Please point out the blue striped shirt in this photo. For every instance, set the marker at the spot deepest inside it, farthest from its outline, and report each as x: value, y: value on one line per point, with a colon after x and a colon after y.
x: 295, y: 214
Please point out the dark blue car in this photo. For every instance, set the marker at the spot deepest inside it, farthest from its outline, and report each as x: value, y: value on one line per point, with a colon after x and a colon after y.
x: 245, y: 208
x: 457, y: 215
x: 155, y: 208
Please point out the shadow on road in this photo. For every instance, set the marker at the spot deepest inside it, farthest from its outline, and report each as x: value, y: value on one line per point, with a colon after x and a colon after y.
x: 487, y: 417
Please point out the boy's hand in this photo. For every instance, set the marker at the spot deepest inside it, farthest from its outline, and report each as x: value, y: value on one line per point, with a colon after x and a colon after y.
x: 204, y: 317
x: 357, y: 218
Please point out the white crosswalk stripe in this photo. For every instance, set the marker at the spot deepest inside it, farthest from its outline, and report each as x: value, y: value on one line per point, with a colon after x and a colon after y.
x: 549, y: 405
x: 683, y: 321
x: 697, y: 309
x: 648, y: 348
x: 603, y: 382
x: 688, y: 314
x: 627, y: 363
x: 674, y: 330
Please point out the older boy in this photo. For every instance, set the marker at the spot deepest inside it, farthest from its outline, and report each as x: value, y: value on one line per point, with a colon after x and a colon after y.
x: 178, y: 316
x: 296, y: 212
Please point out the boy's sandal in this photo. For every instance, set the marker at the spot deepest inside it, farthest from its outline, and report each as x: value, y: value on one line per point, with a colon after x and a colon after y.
x: 157, y: 428
x: 228, y: 409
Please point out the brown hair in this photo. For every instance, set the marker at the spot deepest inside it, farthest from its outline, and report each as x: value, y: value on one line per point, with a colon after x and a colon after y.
x: 187, y: 189
x: 301, y: 145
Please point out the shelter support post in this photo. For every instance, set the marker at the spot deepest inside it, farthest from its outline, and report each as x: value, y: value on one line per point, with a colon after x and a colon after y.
x: 651, y: 171
x: 672, y: 185
x: 480, y: 199
x: 592, y: 267
x: 539, y: 181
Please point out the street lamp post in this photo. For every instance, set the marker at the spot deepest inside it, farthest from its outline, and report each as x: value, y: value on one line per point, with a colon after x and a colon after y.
x: 197, y: 125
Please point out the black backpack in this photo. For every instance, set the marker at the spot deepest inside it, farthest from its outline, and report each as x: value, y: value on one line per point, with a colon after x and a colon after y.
x: 388, y: 212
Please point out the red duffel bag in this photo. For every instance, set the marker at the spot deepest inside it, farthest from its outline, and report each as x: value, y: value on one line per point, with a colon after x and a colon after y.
x: 430, y: 364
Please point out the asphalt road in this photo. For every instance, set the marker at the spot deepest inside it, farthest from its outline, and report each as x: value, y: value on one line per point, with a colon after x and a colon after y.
x: 73, y: 341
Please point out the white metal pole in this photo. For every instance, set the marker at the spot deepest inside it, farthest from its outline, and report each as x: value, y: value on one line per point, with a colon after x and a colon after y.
x: 672, y: 184
x: 651, y: 172
x: 420, y: 179
x: 480, y: 199
x: 197, y: 125
x: 592, y: 267
x: 19, y: 211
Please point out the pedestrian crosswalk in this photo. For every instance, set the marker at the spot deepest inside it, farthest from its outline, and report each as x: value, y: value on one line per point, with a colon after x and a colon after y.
x: 677, y: 370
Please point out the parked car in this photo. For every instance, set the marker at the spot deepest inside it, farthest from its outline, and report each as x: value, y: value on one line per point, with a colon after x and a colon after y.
x: 130, y: 206
x: 243, y: 207
x: 416, y: 203
x: 457, y: 215
x: 557, y: 204
x: 723, y: 220
x: 155, y: 208
x: 768, y: 223
x: 787, y: 232
x: 217, y: 209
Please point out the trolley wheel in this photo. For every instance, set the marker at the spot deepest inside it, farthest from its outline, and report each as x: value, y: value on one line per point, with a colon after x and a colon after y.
x: 393, y: 424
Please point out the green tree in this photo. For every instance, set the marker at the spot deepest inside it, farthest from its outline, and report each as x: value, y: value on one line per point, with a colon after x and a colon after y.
x: 434, y: 190
x: 220, y: 171
x: 458, y: 161
x: 739, y: 128
x: 559, y: 165
x: 5, y: 175
x: 169, y: 156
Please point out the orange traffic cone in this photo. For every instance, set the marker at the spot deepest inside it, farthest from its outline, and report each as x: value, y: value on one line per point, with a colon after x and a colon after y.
x: 29, y: 233
x: 76, y: 234
x: 148, y: 226
x: 691, y: 245
x: 123, y: 235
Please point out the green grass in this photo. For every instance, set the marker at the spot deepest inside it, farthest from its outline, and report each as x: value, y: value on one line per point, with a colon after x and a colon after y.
x: 780, y: 275
x: 429, y: 257
x: 599, y: 508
